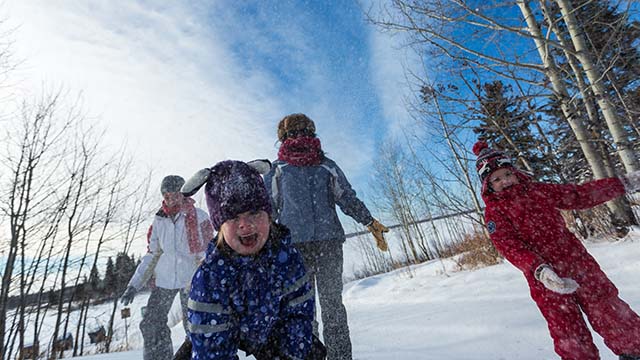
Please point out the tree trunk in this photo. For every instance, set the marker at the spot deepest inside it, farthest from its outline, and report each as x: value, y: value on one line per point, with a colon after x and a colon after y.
x: 619, y: 133
x: 560, y: 90
x: 568, y: 109
x: 592, y: 112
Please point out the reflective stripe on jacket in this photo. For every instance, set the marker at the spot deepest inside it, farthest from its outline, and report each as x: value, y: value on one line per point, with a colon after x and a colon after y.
x: 242, y: 301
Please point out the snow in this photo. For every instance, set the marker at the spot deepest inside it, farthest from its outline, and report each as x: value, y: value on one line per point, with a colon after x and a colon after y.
x: 432, y: 311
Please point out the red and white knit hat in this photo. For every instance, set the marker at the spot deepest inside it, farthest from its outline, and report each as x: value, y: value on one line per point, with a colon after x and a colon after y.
x: 489, y: 160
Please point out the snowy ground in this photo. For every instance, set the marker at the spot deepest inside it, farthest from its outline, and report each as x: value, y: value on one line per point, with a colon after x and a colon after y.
x: 429, y: 313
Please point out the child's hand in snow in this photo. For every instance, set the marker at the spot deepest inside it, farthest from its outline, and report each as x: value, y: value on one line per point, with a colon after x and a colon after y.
x: 545, y: 274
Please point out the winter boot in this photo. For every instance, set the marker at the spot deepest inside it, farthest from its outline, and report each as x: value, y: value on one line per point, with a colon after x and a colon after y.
x: 629, y: 357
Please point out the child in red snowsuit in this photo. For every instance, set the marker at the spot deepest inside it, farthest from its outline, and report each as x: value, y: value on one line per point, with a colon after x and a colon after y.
x: 524, y: 222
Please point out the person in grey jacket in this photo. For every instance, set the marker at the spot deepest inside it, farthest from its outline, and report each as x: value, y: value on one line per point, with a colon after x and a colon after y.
x: 305, y: 187
x: 176, y: 244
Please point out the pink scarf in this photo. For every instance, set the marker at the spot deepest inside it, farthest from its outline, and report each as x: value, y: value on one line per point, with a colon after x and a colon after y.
x: 301, y: 151
x: 191, y: 222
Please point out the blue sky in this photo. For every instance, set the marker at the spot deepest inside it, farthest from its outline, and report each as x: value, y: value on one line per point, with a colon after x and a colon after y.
x: 187, y: 84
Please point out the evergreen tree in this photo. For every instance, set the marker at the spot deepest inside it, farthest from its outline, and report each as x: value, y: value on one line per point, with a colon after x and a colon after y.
x: 52, y: 297
x: 124, y: 268
x: 573, y: 166
x: 81, y: 289
x: 94, y: 280
x: 110, y: 280
x: 505, y: 124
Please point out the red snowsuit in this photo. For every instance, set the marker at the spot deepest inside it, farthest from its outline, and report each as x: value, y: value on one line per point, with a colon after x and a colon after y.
x: 526, y: 227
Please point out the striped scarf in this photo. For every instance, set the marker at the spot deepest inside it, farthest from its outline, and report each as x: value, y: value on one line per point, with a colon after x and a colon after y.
x: 191, y: 222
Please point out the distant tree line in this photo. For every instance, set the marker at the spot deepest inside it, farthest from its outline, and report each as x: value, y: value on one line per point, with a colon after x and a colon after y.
x: 95, y: 288
x: 67, y: 202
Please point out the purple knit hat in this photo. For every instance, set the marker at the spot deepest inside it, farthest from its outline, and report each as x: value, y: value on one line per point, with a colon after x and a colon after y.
x: 232, y: 188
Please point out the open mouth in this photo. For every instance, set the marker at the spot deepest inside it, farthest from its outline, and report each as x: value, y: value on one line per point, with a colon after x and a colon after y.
x: 248, y: 240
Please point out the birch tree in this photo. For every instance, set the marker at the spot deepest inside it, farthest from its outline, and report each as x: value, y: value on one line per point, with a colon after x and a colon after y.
x: 585, y: 57
x: 490, y: 38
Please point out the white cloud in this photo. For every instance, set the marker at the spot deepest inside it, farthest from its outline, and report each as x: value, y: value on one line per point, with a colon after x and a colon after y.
x: 157, y: 77
x: 389, y: 68
x: 394, y: 65
x: 167, y: 79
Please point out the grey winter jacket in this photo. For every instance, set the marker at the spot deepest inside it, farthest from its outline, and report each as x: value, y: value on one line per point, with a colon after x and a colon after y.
x: 304, y: 199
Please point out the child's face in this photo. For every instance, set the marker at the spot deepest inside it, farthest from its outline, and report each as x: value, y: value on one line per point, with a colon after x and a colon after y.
x: 502, y: 179
x: 172, y: 198
x: 247, y: 233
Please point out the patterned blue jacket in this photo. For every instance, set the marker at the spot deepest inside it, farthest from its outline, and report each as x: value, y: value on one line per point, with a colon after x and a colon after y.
x: 243, y: 302
x: 305, y: 198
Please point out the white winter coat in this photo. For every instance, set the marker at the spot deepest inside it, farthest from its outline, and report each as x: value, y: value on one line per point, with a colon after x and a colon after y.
x: 168, y: 256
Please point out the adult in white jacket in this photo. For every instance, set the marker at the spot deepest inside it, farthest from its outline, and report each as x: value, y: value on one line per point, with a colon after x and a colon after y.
x: 177, y: 240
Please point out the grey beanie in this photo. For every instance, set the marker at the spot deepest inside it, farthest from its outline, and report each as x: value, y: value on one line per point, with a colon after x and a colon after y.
x: 171, y: 183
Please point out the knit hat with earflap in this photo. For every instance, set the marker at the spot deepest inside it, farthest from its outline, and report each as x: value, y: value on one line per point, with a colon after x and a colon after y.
x: 296, y: 122
x: 171, y: 184
x: 233, y: 187
x: 489, y: 160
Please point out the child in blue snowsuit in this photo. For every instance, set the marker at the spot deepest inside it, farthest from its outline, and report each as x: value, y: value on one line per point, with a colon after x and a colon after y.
x: 251, y: 293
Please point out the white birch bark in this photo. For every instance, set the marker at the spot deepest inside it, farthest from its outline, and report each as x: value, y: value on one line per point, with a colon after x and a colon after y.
x: 578, y: 76
x: 568, y: 109
x: 618, y: 132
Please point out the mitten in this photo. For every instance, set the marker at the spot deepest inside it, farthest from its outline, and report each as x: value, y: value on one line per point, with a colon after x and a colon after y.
x: 378, y: 231
x: 128, y: 295
x: 545, y: 274
x: 631, y: 181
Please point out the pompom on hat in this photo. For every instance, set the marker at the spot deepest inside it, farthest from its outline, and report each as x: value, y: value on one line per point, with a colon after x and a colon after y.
x: 232, y: 187
x: 489, y: 160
